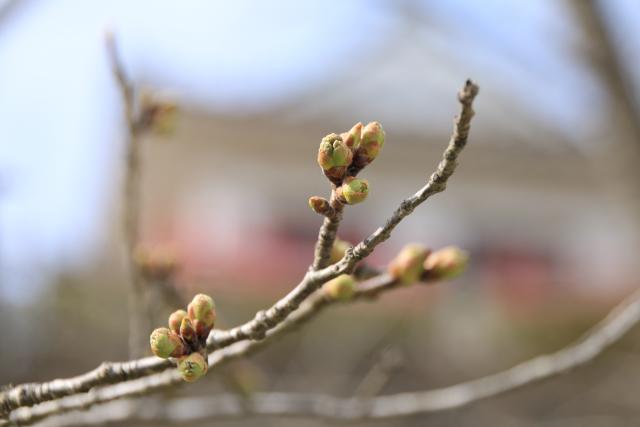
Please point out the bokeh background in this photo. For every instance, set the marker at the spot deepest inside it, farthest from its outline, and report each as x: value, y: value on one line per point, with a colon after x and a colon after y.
x: 546, y: 198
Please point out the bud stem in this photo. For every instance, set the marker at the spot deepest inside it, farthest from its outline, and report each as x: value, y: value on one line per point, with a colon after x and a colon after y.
x: 328, y: 233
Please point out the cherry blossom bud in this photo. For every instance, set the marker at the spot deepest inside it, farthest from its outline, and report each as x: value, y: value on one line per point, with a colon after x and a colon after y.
x: 175, y: 320
x: 341, y: 288
x: 193, y: 367
x: 202, y: 311
x: 354, y: 190
x: 166, y: 343
x: 320, y: 205
x: 407, y: 266
x: 352, y: 137
x: 188, y: 332
x: 371, y: 142
x: 338, y: 250
x: 447, y: 263
x: 334, y: 156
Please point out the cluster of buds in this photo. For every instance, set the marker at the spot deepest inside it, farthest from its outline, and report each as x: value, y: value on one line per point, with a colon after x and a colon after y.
x: 341, y: 157
x: 186, y: 337
x: 417, y: 263
x: 157, y: 114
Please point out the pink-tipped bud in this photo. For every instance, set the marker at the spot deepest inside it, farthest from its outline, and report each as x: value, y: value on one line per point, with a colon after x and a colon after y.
x: 371, y: 142
x: 193, y: 367
x: 447, y: 263
x: 338, y: 250
x: 354, y: 190
x: 175, y: 320
x: 407, y: 266
x: 341, y: 288
x: 352, y: 137
x: 166, y: 343
x: 188, y: 332
x: 320, y: 205
x: 202, y: 311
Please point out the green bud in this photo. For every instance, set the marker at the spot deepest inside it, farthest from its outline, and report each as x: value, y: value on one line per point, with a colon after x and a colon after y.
x: 334, y: 156
x: 202, y: 311
x: 338, y: 250
x: 175, y: 320
x: 166, y: 343
x: 320, y: 205
x: 407, y: 266
x: 192, y: 367
x: 354, y: 190
x: 352, y: 137
x: 341, y: 288
x: 447, y: 263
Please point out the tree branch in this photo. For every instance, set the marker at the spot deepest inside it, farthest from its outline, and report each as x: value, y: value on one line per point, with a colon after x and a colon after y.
x: 264, y: 321
x: 608, y: 331
x: 144, y: 385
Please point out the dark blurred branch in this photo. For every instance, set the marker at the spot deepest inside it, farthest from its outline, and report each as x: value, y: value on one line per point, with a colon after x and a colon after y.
x: 138, y: 327
x: 605, y: 56
x: 288, y: 312
x: 607, y: 332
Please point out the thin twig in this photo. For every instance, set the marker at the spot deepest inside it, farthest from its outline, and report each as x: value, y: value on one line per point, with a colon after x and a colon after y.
x: 607, y: 332
x: 264, y: 321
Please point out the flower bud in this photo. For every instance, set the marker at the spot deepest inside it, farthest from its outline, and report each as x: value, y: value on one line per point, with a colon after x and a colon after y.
x: 320, y: 205
x: 158, y: 114
x: 371, y: 142
x: 175, y: 320
x: 447, y: 263
x: 352, y: 137
x: 341, y: 288
x: 188, y: 332
x: 156, y: 262
x: 338, y: 250
x: 354, y: 190
x: 166, y: 343
x: 407, y: 266
x: 192, y: 367
x: 165, y: 118
x: 202, y: 311
x: 334, y: 156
